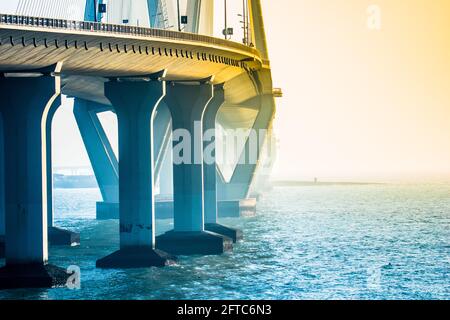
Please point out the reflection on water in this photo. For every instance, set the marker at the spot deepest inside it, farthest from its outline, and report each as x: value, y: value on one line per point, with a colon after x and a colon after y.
x: 317, y: 242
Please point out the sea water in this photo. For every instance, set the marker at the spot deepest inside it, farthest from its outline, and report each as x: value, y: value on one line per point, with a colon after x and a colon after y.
x: 380, y: 241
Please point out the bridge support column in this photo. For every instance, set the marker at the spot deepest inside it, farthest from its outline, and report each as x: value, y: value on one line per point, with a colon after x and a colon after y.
x: 135, y: 103
x: 100, y: 153
x: 166, y: 175
x: 163, y: 161
x: 164, y: 202
x: 210, y: 168
x: 2, y: 192
x: 240, y: 184
x: 56, y: 236
x: 24, y: 106
x: 187, y: 104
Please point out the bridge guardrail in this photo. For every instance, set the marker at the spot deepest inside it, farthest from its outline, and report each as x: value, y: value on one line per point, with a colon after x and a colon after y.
x: 119, y: 29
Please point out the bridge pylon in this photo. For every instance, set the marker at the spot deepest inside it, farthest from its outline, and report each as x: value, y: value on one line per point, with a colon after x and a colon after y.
x: 210, y: 168
x: 187, y: 103
x: 25, y: 104
x: 135, y: 103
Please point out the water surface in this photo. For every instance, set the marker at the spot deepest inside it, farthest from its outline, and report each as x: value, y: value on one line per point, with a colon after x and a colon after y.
x: 307, y: 242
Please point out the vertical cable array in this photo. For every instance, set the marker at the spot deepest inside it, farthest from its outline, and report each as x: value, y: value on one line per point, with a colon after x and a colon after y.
x: 61, y: 9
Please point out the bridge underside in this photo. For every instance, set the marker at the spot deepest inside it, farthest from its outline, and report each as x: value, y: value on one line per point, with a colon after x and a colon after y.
x: 90, y: 58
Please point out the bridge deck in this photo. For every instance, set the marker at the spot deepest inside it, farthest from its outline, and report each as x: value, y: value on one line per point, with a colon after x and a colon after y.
x: 90, y: 51
x: 108, y: 50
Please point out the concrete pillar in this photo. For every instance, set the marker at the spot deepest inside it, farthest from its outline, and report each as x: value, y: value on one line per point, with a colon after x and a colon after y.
x: 164, y: 200
x: 91, y: 12
x: 257, y: 30
x: 101, y: 155
x: 210, y: 168
x: 2, y: 192
x: 187, y: 103
x: 200, y: 17
x: 261, y: 182
x: 210, y: 165
x: 49, y: 169
x: 243, y: 176
x: 162, y: 129
x: 166, y: 175
x: 163, y: 162
x: 56, y: 236
x: 135, y: 103
x: 24, y: 105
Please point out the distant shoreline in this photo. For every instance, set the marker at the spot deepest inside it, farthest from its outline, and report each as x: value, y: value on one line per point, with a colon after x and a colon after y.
x: 321, y: 183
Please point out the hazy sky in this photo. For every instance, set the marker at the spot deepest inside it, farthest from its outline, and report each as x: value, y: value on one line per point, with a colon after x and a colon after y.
x: 358, y: 104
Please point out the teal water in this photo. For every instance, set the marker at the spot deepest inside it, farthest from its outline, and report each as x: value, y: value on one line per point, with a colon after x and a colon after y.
x: 317, y: 242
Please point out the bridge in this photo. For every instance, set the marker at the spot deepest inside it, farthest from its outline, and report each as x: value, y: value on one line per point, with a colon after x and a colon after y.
x: 157, y: 80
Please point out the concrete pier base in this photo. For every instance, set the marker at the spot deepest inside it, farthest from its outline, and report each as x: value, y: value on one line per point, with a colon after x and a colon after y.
x: 32, y: 276
x: 194, y: 243
x: 234, y: 234
x: 237, y: 208
x: 107, y: 210
x: 61, y: 237
x: 135, y: 257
